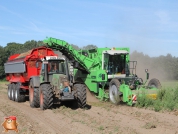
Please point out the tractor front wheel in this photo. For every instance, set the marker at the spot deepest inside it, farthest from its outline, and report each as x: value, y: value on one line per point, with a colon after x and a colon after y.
x: 46, y: 96
x: 81, y: 95
x: 114, y: 93
x: 154, y: 83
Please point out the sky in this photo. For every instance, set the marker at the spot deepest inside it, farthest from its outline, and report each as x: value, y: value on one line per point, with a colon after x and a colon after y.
x: 150, y: 26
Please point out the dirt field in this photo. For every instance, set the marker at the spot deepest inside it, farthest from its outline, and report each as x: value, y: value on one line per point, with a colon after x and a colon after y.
x: 97, y: 118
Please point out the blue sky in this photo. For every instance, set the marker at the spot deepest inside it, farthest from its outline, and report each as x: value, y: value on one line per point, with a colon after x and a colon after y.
x: 150, y: 26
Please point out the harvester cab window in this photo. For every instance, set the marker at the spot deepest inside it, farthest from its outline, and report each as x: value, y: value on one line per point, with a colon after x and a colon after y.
x: 116, y: 64
x: 106, y: 58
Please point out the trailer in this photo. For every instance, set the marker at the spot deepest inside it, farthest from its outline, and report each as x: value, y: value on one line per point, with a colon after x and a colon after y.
x: 20, y: 70
x: 106, y: 72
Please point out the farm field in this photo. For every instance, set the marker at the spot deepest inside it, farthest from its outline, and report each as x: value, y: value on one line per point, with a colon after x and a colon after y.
x: 97, y: 118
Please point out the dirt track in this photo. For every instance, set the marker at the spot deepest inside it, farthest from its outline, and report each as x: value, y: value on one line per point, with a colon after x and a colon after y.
x: 98, y: 118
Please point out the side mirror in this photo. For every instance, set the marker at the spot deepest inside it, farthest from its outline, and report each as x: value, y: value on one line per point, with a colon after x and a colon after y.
x: 37, y: 64
x: 147, y: 75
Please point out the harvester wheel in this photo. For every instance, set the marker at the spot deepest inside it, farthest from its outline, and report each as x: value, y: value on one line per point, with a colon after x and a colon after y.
x: 13, y: 92
x: 33, y: 96
x: 114, y: 93
x: 9, y: 91
x: 155, y: 83
x: 81, y: 95
x: 19, y: 95
x: 46, y: 96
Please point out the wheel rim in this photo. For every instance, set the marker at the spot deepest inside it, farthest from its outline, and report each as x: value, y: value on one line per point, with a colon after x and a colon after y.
x: 113, y: 94
x: 9, y: 92
x: 16, y: 95
x: 12, y: 94
x: 41, y: 99
x: 153, y: 85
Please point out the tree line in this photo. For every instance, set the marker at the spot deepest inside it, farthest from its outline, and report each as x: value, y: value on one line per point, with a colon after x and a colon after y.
x: 161, y: 67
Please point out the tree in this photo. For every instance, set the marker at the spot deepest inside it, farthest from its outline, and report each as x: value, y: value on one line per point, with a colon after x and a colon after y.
x: 88, y: 47
x: 13, y: 48
x: 3, y: 58
x: 75, y: 47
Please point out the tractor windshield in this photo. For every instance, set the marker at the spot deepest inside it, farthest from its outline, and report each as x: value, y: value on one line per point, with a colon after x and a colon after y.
x: 56, y: 66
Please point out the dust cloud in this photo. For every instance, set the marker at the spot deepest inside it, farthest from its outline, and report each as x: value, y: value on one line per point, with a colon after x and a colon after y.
x: 154, y: 69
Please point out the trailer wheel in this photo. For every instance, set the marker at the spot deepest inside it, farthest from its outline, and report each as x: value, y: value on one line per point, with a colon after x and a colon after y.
x: 46, y: 96
x: 114, y: 93
x: 80, y: 94
x: 19, y: 96
x: 154, y: 83
x: 33, y: 96
x: 13, y: 92
x: 9, y: 91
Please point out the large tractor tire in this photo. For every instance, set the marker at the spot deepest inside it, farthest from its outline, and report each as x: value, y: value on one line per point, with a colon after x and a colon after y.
x: 19, y: 95
x: 46, y: 96
x: 81, y: 95
x: 154, y: 83
x: 114, y: 93
x: 9, y: 91
x: 13, y: 92
x: 33, y: 96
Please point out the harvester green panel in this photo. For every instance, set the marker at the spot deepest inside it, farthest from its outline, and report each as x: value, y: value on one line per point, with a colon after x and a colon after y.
x: 92, y: 79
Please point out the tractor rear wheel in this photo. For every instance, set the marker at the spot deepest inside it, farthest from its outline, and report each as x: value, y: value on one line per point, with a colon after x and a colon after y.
x: 46, y: 96
x: 33, y: 96
x: 13, y: 91
x: 81, y: 95
x: 19, y: 95
x: 9, y: 91
x: 114, y: 93
x: 154, y: 83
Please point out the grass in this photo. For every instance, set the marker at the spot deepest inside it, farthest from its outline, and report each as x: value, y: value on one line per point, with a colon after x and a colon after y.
x: 149, y: 125
x: 169, y: 84
x: 167, y: 98
x: 101, y: 128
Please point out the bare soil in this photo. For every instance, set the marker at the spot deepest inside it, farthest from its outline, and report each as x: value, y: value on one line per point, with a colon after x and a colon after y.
x: 96, y: 118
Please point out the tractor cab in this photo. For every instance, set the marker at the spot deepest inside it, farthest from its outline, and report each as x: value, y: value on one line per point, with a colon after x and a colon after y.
x: 52, y: 65
x: 54, y: 70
